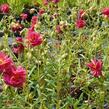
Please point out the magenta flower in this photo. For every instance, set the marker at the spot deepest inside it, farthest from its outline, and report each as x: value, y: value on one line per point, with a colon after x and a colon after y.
x: 4, y: 8
x: 80, y: 23
x: 16, y: 27
x: 19, y: 47
x: 34, y: 20
x: 5, y: 62
x: 105, y: 11
x: 58, y: 29
x: 95, y: 67
x: 15, y: 77
x: 41, y: 11
x: 55, y: 1
x: 19, y: 40
x: 34, y: 38
x: 81, y: 14
x: 24, y: 16
x: 45, y: 2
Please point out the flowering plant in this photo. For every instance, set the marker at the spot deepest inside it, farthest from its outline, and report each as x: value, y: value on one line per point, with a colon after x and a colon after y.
x: 54, y: 54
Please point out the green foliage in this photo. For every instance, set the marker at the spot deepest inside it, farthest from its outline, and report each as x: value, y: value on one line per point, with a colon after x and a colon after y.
x: 57, y: 76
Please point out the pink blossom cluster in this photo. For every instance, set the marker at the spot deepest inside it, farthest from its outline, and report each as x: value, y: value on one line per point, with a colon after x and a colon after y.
x: 12, y: 75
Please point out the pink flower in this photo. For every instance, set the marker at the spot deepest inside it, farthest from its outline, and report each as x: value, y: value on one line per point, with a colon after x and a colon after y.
x: 34, y: 20
x: 105, y: 11
x: 16, y: 27
x: 19, y: 40
x: 19, y: 47
x: 15, y: 77
x: 55, y: 1
x: 12, y: 76
x: 81, y: 13
x: 5, y: 62
x: 4, y: 8
x: 41, y: 11
x: 34, y: 38
x: 31, y: 29
x: 95, y: 67
x: 45, y: 2
x: 24, y: 16
x: 58, y: 29
x: 80, y: 23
